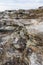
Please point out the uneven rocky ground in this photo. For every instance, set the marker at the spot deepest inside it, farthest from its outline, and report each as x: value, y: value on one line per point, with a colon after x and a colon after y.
x: 21, y: 41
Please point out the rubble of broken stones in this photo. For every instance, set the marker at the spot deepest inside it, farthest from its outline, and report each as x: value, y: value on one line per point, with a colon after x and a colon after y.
x: 21, y: 44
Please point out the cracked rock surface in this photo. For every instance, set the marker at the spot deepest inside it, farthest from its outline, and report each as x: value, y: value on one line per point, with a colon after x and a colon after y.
x: 21, y: 41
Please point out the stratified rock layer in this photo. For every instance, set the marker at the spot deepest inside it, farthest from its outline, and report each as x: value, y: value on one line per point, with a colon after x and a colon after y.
x: 21, y: 40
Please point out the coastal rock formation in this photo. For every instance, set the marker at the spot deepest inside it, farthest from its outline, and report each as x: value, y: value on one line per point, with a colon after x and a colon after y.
x: 21, y: 37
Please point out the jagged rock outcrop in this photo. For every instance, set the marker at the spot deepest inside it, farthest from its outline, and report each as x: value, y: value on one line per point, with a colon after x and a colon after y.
x: 21, y: 37
x: 22, y: 14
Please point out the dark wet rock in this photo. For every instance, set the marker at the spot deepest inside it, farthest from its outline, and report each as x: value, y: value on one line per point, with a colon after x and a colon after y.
x: 22, y: 44
x: 15, y: 61
x: 29, y: 51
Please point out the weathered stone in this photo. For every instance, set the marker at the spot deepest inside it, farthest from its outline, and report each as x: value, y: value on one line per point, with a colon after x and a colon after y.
x: 21, y: 37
